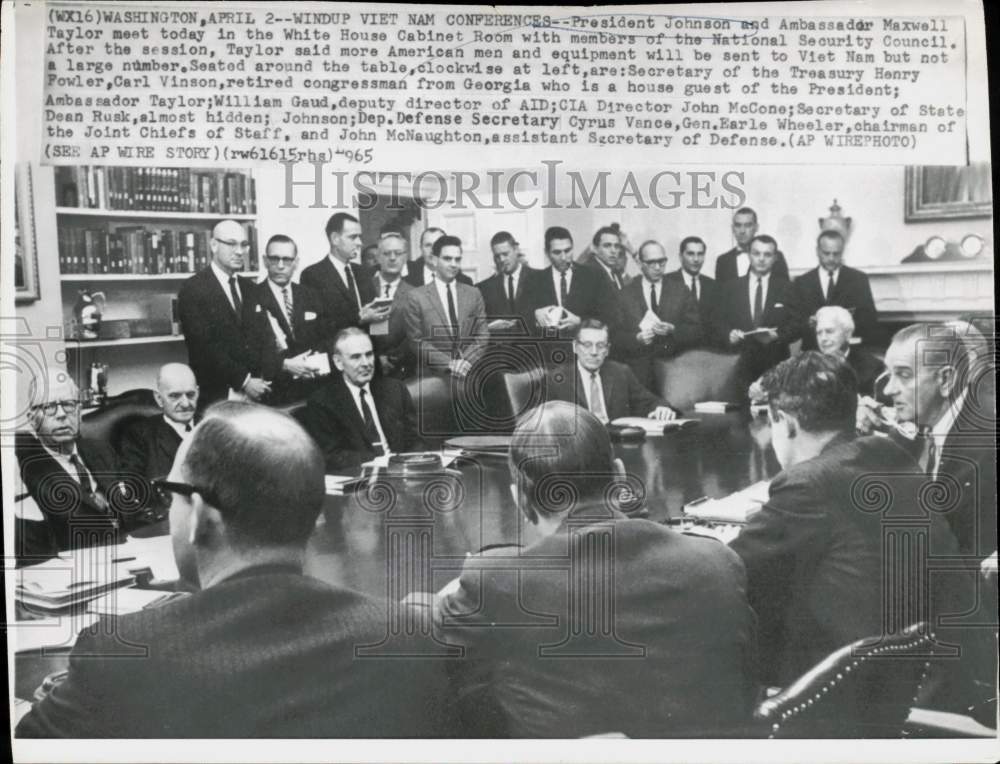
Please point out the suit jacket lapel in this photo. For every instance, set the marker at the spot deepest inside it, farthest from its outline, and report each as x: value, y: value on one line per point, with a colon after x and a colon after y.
x: 278, y: 311
x: 747, y: 306
x: 347, y: 404
x: 608, y: 386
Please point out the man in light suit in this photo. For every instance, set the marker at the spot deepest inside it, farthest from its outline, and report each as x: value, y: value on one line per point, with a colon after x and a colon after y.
x: 259, y: 649
x: 833, y: 283
x: 659, y: 317
x: 607, y: 389
x: 357, y: 416
x: 389, y: 338
x: 736, y: 262
x: 344, y: 286
x: 703, y: 289
x: 289, y: 324
x: 756, y: 316
x: 214, y: 307
x: 446, y: 320
x: 423, y: 270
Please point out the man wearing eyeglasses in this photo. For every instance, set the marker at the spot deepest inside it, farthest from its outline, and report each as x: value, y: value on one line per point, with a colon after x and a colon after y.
x: 215, y: 308
x: 67, y: 479
x: 659, y: 317
x: 389, y: 337
x: 290, y: 332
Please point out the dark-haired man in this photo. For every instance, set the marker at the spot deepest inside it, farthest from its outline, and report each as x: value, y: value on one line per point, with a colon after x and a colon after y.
x: 423, y: 270
x: 259, y: 650
x: 506, y: 292
x: 736, y: 262
x: 703, y: 289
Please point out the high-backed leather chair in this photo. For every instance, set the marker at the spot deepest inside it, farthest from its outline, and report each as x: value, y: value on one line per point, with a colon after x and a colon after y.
x: 109, y: 422
x: 698, y: 375
x: 433, y: 402
x: 863, y: 690
x: 525, y: 390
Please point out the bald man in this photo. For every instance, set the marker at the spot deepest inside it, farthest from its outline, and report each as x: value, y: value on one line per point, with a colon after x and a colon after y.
x: 149, y: 445
x: 66, y: 479
x: 215, y: 305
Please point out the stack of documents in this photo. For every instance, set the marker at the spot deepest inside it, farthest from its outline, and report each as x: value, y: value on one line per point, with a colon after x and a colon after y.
x: 129, y: 600
x: 64, y: 581
x: 735, y: 508
x: 713, y: 407
x: 155, y: 553
x: 653, y: 426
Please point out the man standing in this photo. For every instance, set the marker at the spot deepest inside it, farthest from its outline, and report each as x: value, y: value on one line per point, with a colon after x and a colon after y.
x: 506, y: 292
x: 597, y: 606
x: 356, y: 417
x: 259, y: 650
x: 564, y: 294
x: 343, y: 286
x: 609, y: 257
x: 833, y: 283
x: 148, y: 447
x: 290, y: 323
x: 659, y: 317
x: 214, y: 306
x: 67, y: 479
x: 736, y: 262
x: 445, y: 319
x: 816, y: 552
x: 389, y: 337
x: 755, y: 316
x: 704, y: 290
x: 423, y: 270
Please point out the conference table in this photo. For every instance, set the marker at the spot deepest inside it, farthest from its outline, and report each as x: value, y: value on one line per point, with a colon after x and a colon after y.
x: 398, y: 535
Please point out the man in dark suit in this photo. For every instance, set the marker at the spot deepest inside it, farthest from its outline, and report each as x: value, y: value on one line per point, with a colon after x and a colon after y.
x: 446, y: 320
x: 834, y: 330
x: 214, y: 307
x: 72, y: 495
x: 596, y: 606
x: 423, y: 270
x: 290, y: 327
x: 833, y: 283
x: 506, y: 292
x: 759, y: 302
x: 389, y: 337
x: 606, y: 388
x: 816, y: 553
x: 564, y: 294
x: 343, y: 286
x: 736, y: 262
x: 356, y: 417
x: 659, y: 317
x: 148, y: 446
x: 259, y: 650
x: 704, y: 290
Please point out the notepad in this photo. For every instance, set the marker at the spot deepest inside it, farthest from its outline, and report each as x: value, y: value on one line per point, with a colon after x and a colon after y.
x: 653, y: 426
x: 63, y: 581
x: 713, y: 407
x: 736, y: 508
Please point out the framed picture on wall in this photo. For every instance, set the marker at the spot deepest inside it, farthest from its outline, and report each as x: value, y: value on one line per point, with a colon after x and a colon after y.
x: 946, y: 193
x: 25, y: 248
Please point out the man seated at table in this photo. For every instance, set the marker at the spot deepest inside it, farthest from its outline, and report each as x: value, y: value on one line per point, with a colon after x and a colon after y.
x: 815, y: 553
x: 357, y: 416
x: 834, y: 330
x: 600, y: 623
x: 149, y: 445
x: 259, y: 650
x: 67, y: 479
x: 606, y: 388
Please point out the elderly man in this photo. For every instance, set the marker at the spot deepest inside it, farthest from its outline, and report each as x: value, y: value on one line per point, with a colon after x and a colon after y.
x: 290, y: 327
x: 149, y: 445
x: 735, y: 263
x: 595, y: 606
x: 446, y: 319
x: 659, y: 317
x: 67, y: 480
x: 214, y: 307
x: 389, y: 337
x: 259, y: 650
x: 816, y: 552
x: 834, y: 329
x: 940, y: 381
x: 357, y: 416
x: 344, y: 286
x: 833, y: 283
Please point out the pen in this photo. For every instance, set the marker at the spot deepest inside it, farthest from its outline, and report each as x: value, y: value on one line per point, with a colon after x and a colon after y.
x: 123, y: 559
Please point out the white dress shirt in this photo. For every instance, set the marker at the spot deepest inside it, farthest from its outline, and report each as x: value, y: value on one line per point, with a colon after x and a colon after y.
x: 381, y: 284
x: 690, y: 280
x: 430, y: 276
x: 742, y: 264
x: 442, y: 290
x: 646, y: 286
x: 223, y: 279
x: 280, y: 298
x: 615, y: 278
x: 341, y: 271
x: 180, y: 429
x: 516, y: 275
x: 939, y: 433
x: 556, y: 278
x: 828, y: 280
x: 356, y: 394
x: 64, y: 461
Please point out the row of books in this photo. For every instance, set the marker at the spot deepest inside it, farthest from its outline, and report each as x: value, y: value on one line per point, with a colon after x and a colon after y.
x: 139, y: 250
x: 156, y: 189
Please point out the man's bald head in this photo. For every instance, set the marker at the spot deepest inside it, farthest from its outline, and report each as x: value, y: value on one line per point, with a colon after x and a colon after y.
x: 229, y: 244
x: 177, y: 392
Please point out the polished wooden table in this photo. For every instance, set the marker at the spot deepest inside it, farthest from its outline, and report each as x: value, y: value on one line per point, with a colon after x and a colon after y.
x: 360, y: 538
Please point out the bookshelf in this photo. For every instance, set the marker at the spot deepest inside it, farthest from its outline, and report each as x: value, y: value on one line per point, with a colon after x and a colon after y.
x: 134, y: 235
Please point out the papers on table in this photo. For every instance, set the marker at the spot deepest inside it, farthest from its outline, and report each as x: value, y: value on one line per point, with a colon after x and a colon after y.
x: 155, y: 553
x: 736, y: 508
x: 653, y: 426
x: 63, y: 581
x: 713, y: 407
x: 129, y: 600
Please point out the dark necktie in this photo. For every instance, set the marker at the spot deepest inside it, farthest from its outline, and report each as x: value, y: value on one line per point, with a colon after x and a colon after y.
x: 81, y: 474
x: 829, y: 287
x: 452, y: 315
x: 386, y: 290
x: 188, y: 427
x: 618, y: 281
x: 694, y: 287
x: 931, y: 454
x: 350, y: 285
x: 562, y: 289
x: 510, y: 293
x: 287, y: 297
x: 235, y: 294
x: 758, y: 303
x: 596, y: 399
x: 652, y: 299
x: 371, y: 431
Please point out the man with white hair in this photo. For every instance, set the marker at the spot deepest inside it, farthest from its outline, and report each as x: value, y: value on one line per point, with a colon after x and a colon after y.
x: 67, y: 479
x: 834, y: 330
